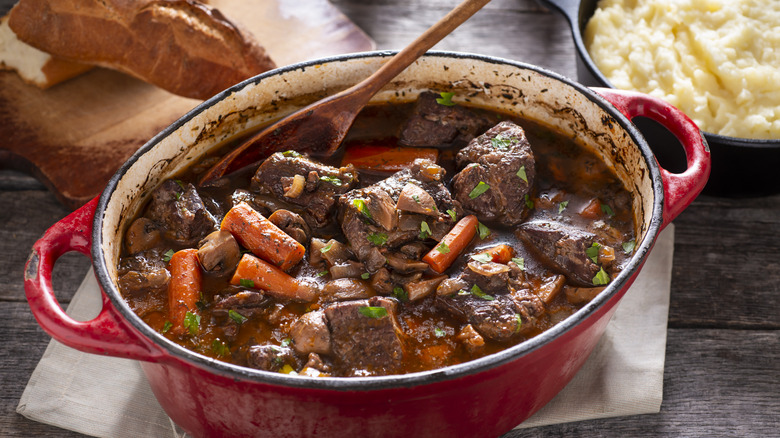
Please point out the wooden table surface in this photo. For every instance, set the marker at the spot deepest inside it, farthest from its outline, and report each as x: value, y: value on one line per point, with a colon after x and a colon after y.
x: 722, y: 372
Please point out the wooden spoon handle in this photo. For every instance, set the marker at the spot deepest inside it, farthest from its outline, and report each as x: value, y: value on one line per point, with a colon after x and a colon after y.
x: 419, y: 46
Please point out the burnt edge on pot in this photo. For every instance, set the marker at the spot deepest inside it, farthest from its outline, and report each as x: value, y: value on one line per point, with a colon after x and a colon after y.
x: 393, y: 381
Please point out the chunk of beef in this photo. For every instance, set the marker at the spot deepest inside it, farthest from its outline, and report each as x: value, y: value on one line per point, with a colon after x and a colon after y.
x: 364, y: 339
x: 143, y: 273
x: 494, y: 317
x: 499, y: 172
x: 436, y: 125
x: 562, y: 247
x: 181, y: 213
x: 310, y: 334
x: 244, y: 302
x: 271, y: 357
x: 370, y: 220
x: 319, y: 185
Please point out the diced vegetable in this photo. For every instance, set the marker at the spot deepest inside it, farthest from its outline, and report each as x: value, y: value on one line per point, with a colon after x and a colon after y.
x: 455, y: 242
x: 385, y: 158
x: 262, y: 237
x: 184, y: 288
x: 271, y: 279
x: 499, y: 254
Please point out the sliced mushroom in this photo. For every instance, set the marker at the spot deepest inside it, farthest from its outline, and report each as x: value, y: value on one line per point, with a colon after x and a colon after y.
x: 416, y: 200
x: 381, y: 209
x: 405, y: 266
x: 142, y: 234
x: 292, y: 224
x: 382, y: 282
x: 335, y: 252
x: 422, y: 288
x: 219, y: 252
x: 310, y: 334
x: 348, y: 269
x: 345, y: 289
x: 488, y: 269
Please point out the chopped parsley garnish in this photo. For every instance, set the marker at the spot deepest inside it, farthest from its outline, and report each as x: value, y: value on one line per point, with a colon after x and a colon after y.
x: 502, y: 142
x: 601, y: 278
x: 293, y: 154
x: 286, y: 342
x: 246, y: 282
x: 373, y: 312
x: 192, y: 322
x: 361, y: 206
x: 521, y: 174
x: 483, y: 230
x: 365, y: 275
x: 479, y: 189
x: 439, y: 333
x: 181, y: 184
x: 483, y: 257
x: 528, y: 202
x: 519, y: 322
x: 237, y: 317
x: 629, y: 246
x: 400, y: 293
x: 607, y: 210
x: 443, y: 248
x: 220, y: 348
x: 520, y: 262
x: 425, y: 230
x: 477, y: 292
x: 378, y: 239
x: 593, y: 252
x: 167, y: 256
x: 326, y: 248
x: 416, y: 198
x: 452, y: 214
x: 167, y: 326
x: 562, y: 206
x: 331, y: 179
x: 322, y: 273
x: 445, y: 99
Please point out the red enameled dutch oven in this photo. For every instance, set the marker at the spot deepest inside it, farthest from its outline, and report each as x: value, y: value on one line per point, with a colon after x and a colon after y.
x: 741, y: 166
x: 484, y: 397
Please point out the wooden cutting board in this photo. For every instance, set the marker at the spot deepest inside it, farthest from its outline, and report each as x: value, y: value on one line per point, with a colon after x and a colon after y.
x: 74, y: 136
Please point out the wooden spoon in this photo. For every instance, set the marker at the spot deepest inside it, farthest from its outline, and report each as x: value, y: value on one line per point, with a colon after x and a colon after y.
x: 320, y: 127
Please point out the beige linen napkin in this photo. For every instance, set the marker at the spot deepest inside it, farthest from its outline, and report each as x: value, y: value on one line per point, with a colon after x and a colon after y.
x: 109, y: 397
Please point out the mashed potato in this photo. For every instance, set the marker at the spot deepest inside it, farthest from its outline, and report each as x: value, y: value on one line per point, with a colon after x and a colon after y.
x: 716, y: 60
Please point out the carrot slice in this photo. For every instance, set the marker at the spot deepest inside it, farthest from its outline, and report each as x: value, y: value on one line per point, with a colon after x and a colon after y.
x: 262, y: 237
x: 256, y: 273
x: 500, y: 253
x: 449, y: 248
x: 385, y: 158
x: 184, y: 288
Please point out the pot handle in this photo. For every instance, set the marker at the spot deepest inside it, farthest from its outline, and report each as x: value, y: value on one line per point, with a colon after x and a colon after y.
x: 106, y: 334
x: 680, y: 189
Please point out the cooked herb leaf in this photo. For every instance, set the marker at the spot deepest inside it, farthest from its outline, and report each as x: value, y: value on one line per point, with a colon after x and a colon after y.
x: 629, y: 246
x: 483, y: 257
x: 361, y: 206
x: 521, y: 174
x: 286, y: 342
x: 220, y: 348
x: 601, y: 278
x: 416, y: 198
x: 365, y: 275
x: 477, y: 292
x: 292, y: 154
x: 378, y: 239
x: 439, y: 333
x: 483, y: 230
x: 452, y: 214
x: 607, y: 210
x: 562, y: 206
x: 400, y: 293
x: 322, y: 273
x: 443, y: 248
x: 331, y: 179
x: 520, y: 262
x: 502, y: 142
x: 425, y: 230
x: 528, y: 202
x: 445, y: 99
x: 479, y: 189
x: 246, y: 282
x: 373, y: 312
x: 167, y: 256
x: 192, y: 322
x: 237, y: 317
x: 593, y: 252
x: 519, y: 322
x: 167, y: 326
x: 326, y: 248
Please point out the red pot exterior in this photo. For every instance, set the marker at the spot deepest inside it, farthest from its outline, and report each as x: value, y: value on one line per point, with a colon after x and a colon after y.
x: 485, y: 404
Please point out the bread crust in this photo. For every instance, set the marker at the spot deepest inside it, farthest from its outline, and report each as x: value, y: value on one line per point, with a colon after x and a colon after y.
x: 182, y: 46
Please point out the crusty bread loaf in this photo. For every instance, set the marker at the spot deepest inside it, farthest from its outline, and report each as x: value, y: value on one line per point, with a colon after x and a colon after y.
x: 183, y: 46
x: 34, y: 66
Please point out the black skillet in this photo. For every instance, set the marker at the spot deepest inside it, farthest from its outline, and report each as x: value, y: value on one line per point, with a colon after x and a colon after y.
x: 740, y: 166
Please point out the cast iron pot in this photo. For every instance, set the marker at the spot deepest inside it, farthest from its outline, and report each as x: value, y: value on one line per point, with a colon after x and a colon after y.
x: 740, y: 166
x: 484, y: 397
